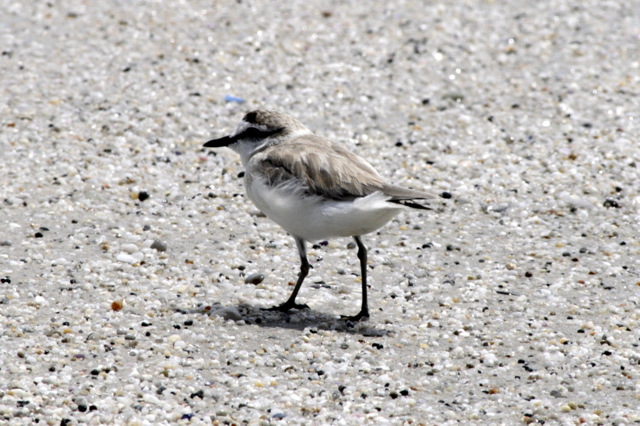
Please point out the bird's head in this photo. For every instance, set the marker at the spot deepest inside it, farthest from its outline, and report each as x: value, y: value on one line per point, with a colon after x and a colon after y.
x: 258, y: 130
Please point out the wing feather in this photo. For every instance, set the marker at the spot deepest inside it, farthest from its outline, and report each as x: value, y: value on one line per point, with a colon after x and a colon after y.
x: 328, y: 169
x: 323, y: 167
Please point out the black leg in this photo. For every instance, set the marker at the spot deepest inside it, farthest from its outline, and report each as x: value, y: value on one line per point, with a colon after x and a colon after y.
x: 304, y: 270
x: 362, y: 255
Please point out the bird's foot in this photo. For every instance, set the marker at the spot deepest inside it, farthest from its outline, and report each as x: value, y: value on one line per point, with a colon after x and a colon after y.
x: 287, y: 306
x: 362, y: 315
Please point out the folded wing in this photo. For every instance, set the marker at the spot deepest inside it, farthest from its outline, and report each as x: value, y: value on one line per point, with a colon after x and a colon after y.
x: 328, y: 169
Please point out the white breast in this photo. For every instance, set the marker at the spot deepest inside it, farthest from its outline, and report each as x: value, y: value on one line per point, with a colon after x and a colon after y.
x: 314, y: 218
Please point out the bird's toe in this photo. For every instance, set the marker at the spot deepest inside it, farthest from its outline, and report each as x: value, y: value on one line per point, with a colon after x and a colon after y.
x: 361, y: 316
x: 286, y: 307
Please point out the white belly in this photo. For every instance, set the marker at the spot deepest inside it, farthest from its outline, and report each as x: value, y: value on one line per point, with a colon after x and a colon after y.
x: 315, y: 218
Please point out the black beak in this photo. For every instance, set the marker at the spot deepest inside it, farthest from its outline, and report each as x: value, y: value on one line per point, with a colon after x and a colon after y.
x: 217, y: 143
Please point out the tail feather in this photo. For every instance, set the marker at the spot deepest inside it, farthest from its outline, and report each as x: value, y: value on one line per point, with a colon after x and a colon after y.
x: 399, y: 193
x: 407, y: 197
x: 410, y: 203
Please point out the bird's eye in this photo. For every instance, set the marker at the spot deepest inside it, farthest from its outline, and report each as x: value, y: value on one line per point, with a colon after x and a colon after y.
x: 253, y: 133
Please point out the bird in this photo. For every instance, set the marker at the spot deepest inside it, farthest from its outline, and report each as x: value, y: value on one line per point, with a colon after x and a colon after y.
x: 314, y: 188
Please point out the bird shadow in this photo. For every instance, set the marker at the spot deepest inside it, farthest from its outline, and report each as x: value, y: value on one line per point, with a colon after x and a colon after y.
x: 251, y: 315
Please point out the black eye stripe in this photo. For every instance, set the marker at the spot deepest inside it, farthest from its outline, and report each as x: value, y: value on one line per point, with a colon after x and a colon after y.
x: 253, y: 133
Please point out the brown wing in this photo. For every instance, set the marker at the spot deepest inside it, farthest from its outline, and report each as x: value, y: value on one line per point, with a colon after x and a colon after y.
x: 324, y: 167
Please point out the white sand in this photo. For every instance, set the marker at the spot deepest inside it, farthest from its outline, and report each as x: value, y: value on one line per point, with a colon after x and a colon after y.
x: 524, y: 307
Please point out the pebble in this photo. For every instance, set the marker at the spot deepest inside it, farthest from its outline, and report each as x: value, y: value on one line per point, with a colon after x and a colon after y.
x: 126, y: 258
x: 255, y: 279
x: 159, y: 245
x: 497, y: 208
x: 228, y: 313
x: 231, y: 98
x: 143, y: 195
x: 129, y: 248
